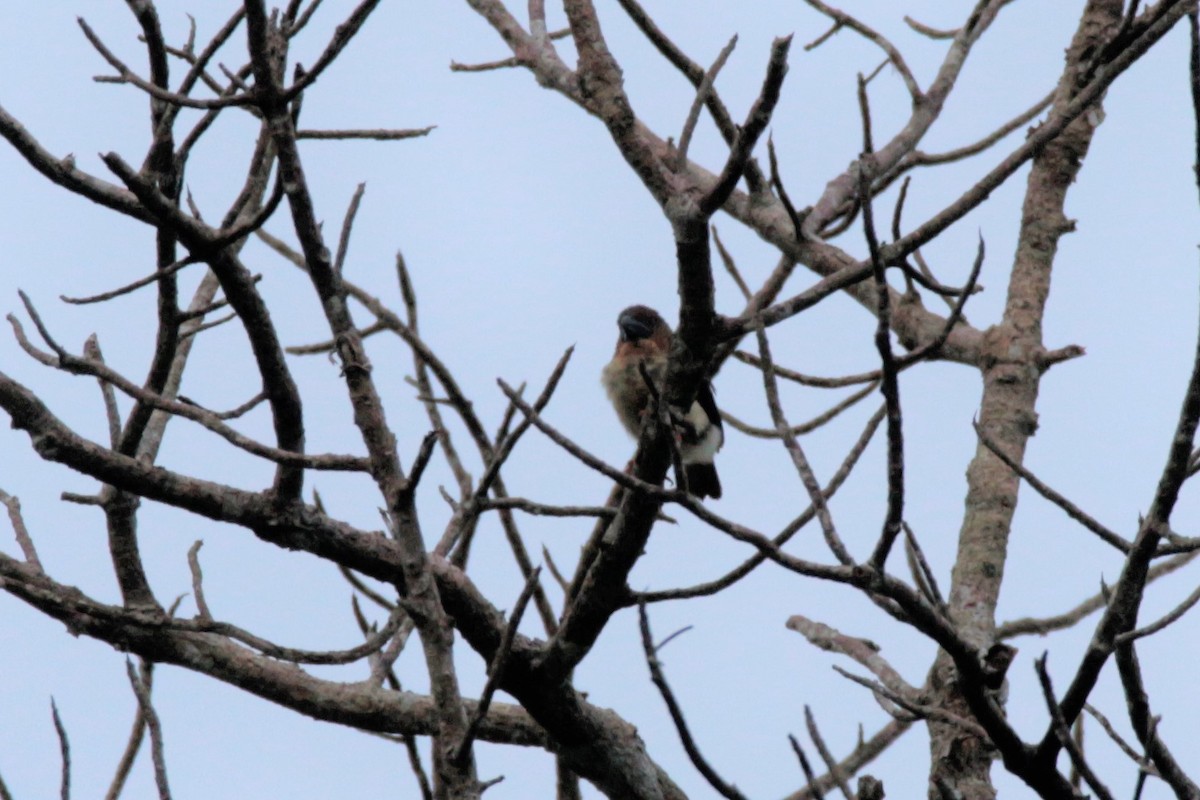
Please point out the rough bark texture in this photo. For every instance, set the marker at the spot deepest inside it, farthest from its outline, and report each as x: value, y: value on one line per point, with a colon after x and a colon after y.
x: 1012, y: 366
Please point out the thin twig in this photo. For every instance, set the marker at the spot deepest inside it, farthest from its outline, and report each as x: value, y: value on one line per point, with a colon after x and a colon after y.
x: 292, y: 654
x: 932, y: 33
x: 1143, y: 764
x: 807, y: 478
x: 82, y: 499
x: 209, y: 420
x: 544, y: 509
x: 694, y: 73
x: 1162, y: 622
x: 347, y: 224
x: 804, y: 765
x: 338, y: 42
x: 808, y: 380
x: 379, y: 134
x: 243, y: 409
x: 730, y: 264
x: 756, y: 122
x: 790, y: 530
x: 154, y: 277
x: 659, y: 679
x: 421, y: 377
x: 91, y: 350
x: 1063, y: 731
x: 934, y: 347
x: 372, y: 595
x: 919, y: 158
x: 918, y: 710
x: 889, y: 383
x: 141, y: 689
x: 831, y: 764
x: 804, y: 427
x: 921, y: 571
x: 42, y: 330
x: 1045, y: 625
x: 64, y: 748
x: 137, y: 735
x: 193, y: 558
x: 796, y: 217
x: 487, y: 66
x: 497, y: 665
x: 554, y: 572
x: 126, y: 75
x: 421, y: 461
x: 382, y: 662
x: 1073, y: 511
x: 702, y: 93
x: 24, y: 540
x: 620, y: 476
x: 863, y: 753
x: 844, y: 20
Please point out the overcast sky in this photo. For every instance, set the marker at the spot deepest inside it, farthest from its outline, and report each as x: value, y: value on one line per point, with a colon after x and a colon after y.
x: 526, y: 233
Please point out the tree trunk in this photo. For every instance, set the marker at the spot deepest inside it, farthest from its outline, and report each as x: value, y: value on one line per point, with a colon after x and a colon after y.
x: 1012, y: 365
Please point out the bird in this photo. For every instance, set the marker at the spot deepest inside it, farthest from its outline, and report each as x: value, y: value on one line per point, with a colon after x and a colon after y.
x: 645, y: 341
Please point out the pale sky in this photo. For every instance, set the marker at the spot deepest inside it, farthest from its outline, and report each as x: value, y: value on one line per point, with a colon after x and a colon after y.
x: 526, y: 233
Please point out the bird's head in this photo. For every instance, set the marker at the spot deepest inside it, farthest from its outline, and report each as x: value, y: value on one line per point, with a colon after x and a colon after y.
x: 643, y: 324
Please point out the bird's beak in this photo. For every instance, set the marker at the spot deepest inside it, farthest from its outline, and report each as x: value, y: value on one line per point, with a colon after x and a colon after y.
x: 632, y: 330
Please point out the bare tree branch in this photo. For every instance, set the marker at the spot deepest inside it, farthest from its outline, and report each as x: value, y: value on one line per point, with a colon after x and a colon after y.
x: 724, y: 789
x: 64, y: 747
x: 1078, y: 760
x: 141, y: 689
x: 24, y: 540
x: 842, y: 19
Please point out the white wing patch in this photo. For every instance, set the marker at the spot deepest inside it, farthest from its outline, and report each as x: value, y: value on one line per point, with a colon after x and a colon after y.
x: 709, y: 438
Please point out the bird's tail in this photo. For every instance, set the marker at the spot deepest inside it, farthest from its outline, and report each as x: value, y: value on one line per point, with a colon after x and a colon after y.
x: 703, y: 481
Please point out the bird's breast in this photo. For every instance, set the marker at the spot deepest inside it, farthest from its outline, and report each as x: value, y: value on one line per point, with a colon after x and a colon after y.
x: 627, y: 389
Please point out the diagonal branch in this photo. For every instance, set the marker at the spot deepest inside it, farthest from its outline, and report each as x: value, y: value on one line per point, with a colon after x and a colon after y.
x: 889, y: 384
x: 702, y: 93
x: 842, y: 19
x: 20, y: 531
x: 749, y: 132
x: 659, y: 678
x: 791, y: 529
x: 64, y: 748
x: 1073, y: 511
x: 141, y: 689
x: 695, y: 75
x: 1063, y: 731
x: 1127, y: 594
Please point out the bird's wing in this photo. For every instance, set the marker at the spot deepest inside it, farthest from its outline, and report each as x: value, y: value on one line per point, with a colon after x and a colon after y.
x: 708, y: 402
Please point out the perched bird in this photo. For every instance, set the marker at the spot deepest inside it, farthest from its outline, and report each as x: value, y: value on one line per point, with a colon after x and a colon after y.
x: 645, y: 339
